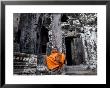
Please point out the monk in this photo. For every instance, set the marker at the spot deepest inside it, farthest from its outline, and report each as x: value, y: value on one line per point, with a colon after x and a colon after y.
x: 55, y: 61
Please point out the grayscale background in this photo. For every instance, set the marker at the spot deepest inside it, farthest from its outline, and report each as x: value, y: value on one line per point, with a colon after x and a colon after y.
x: 74, y: 34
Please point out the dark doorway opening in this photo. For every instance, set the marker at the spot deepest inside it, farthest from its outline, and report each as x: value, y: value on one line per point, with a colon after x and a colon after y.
x: 68, y: 51
x: 74, y: 51
x: 44, y: 39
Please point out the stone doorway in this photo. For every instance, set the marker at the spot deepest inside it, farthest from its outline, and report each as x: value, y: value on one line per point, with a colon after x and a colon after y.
x: 68, y: 51
x: 74, y: 51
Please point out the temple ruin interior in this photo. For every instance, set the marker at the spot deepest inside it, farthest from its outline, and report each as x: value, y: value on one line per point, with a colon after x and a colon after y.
x: 74, y: 34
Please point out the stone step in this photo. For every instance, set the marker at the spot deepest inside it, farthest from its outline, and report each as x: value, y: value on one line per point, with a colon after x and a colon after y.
x: 76, y: 68
x: 79, y: 70
x: 89, y: 72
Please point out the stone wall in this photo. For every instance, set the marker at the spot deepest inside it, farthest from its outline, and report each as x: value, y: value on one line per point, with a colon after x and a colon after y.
x: 89, y: 38
x: 83, y: 27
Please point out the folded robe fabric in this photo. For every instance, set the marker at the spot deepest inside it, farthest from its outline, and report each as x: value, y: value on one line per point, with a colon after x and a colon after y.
x: 55, y: 60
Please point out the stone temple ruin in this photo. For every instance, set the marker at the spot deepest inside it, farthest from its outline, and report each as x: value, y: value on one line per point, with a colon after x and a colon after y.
x: 74, y: 34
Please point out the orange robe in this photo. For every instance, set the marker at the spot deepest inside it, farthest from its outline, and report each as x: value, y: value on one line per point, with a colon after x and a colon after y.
x: 55, y: 60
